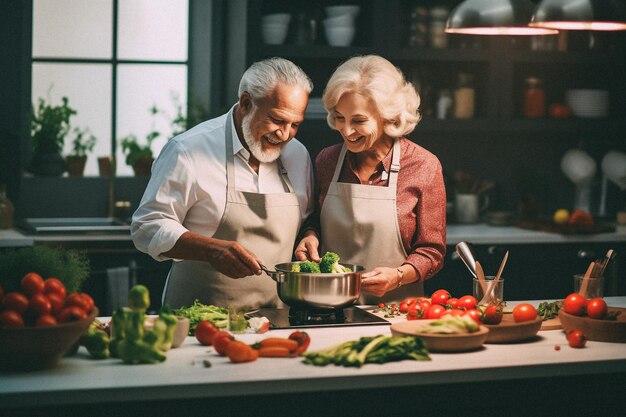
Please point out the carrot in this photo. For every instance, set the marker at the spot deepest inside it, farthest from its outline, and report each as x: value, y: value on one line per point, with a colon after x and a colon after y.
x: 238, y: 352
x: 274, y: 352
x: 289, y: 344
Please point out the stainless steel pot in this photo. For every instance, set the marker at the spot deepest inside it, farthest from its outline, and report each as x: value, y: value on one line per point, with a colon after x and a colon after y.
x: 316, y: 290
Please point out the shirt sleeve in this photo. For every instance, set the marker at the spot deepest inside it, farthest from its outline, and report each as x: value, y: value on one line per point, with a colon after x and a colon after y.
x: 158, y: 221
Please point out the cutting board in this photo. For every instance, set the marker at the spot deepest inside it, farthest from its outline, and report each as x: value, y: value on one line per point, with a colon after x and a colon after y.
x: 551, y: 324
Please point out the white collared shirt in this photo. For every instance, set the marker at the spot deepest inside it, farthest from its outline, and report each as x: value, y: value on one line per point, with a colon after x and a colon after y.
x: 187, y: 189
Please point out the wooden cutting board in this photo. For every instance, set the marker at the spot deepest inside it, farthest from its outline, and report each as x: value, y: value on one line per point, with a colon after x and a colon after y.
x: 551, y: 324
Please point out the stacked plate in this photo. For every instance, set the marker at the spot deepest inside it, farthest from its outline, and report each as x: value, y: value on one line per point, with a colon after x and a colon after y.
x: 588, y: 102
x: 274, y: 28
x: 339, y: 25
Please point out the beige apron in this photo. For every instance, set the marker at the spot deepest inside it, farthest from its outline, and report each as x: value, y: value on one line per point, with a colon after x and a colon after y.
x: 266, y: 224
x: 360, y: 223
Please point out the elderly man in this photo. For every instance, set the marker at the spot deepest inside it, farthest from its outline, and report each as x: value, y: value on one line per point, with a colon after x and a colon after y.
x: 231, y: 193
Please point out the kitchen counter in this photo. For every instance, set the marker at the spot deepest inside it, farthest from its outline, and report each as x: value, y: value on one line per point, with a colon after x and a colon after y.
x: 475, y: 233
x: 513, y: 372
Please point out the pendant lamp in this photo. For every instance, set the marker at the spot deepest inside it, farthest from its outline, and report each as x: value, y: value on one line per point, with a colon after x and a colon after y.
x: 494, y: 17
x: 602, y: 15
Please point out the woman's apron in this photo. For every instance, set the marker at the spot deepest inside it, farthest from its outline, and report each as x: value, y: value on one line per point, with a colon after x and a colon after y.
x: 266, y: 224
x: 360, y: 224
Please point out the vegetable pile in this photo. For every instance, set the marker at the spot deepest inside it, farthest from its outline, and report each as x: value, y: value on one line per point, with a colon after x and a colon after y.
x: 549, y: 310
x: 377, y: 349
x: 450, y: 325
x: 328, y: 264
x: 199, y: 312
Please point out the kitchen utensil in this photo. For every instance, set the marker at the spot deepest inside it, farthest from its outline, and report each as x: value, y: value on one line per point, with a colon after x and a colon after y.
x: 585, y: 281
x: 489, y: 293
x: 316, y: 290
x: 464, y: 250
x: 594, y: 329
x: 594, y: 286
x: 480, y: 274
x: 458, y: 342
x: 496, y: 291
x: 508, y: 331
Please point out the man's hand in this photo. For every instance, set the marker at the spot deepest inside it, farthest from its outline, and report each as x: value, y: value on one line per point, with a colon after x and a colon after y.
x: 307, y: 249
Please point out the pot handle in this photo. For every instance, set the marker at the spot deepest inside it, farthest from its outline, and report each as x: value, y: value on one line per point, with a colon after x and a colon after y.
x: 275, y: 275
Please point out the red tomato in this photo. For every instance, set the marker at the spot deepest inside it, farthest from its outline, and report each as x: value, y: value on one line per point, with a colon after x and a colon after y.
x: 453, y: 302
x: 524, y: 312
x: 576, y: 339
x: 411, y: 300
x: 575, y: 304
x: 205, y: 331
x: 32, y: 283
x: 424, y: 304
x: 54, y: 285
x: 72, y: 313
x: 221, y: 341
x: 597, y: 308
x: 40, y: 304
x: 15, y: 301
x: 435, y: 311
x: 87, y: 298
x: 76, y: 299
x: 454, y: 312
x: 404, y: 307
x: 56, y: 301
x: 46, y: 320
x: 11, y: 318
x: 474, y: 315
x: 492, y: 314
x: 468, y: 302
x: 440, y: 297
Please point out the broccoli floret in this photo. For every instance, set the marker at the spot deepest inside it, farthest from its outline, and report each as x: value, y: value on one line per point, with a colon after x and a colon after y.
x: 295, y: 267
x: 330, y: 263
x: 309, y: 266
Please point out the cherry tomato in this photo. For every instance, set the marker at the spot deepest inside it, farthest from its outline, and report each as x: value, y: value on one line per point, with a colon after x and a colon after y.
x: 575, y: 304
x: 576, y: 339
x: 492, y: 314
x: 468, y: 302
x: 15, y: 301
x: 76, y: 299
x: 453, y: 302
x: 56, y: 301
x: 435, y: 311
x: 597, y: 308
x: 11, y: 318
x: 54, y: 285
x: 205, y: 331
x: 524, y: 312
x: 221, y: 341
x: 440, y: 297
x: 40, y: 304
x: 411, y: 300
x: 425, y: 304
x: 381, y: 305
x: 404, y: 307
x: 474, y: 315
x: 32, y: 283
x: 88, y: 300
x: 303, y: 340
x: 454, y: 312
x: 72, y: 313
x: 46, y: 320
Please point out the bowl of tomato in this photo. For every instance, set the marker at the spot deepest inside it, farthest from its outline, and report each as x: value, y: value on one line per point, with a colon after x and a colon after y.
x: 610, y: 328
x: 522, y: 325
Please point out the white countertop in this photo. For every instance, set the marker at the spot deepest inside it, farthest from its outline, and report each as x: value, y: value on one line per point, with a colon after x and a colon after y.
x: 82, y: 380
x: 476, y: 233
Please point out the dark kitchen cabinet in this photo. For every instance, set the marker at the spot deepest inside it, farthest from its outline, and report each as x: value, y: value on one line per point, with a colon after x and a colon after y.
x: 533, y: 271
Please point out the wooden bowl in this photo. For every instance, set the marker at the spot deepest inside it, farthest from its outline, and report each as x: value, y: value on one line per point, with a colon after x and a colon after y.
x: 508, y: 331
x: 599, y: 330
x: 458, y: 342
x: 32, y: 348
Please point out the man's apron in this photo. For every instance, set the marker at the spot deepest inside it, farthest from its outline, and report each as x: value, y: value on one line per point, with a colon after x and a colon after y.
x: 360, y: 224
x: 266, y: 224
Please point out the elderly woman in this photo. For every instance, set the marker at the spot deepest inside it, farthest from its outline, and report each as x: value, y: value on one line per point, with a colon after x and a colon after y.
x: 381, y: 200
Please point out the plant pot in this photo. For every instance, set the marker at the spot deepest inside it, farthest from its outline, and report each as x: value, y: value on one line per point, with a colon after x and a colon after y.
x: 75, y: 165
x: 143, y: 166
x: 47, y: 164
x: 105, y: 166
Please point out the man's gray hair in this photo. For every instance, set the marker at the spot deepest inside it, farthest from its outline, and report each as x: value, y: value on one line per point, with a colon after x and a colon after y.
x: 263, y: 76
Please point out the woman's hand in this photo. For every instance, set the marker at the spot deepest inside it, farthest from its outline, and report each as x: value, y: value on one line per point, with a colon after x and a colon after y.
x: 380, y: 281
x: 307, y: 249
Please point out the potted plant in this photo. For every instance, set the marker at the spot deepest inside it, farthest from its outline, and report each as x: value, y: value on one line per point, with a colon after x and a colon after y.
x: 49, y: 127
x: 82, y: 143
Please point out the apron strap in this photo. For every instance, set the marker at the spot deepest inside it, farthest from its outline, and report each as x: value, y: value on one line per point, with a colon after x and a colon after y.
x: 393, y: 169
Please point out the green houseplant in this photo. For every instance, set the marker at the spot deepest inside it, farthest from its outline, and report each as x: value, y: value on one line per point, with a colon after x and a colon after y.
x: 49, y: 127
x: 83, y: 143
x: 140, y: 156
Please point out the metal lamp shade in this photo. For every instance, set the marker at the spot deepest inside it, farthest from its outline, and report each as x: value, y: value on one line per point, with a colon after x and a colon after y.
x: 494, y: 17
x: 601, y: 15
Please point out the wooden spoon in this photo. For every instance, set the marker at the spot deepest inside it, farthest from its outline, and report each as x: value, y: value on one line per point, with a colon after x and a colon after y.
x: 489, y: 292
x: 480, y: 274
x: 585, y: 283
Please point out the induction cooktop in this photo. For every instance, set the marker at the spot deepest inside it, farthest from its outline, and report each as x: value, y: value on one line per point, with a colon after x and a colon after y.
x: 288, y: 318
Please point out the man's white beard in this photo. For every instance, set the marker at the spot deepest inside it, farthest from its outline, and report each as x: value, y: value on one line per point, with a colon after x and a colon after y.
x: 255, y: 146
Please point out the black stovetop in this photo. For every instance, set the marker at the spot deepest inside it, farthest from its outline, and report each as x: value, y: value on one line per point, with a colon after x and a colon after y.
x: 289, y: 318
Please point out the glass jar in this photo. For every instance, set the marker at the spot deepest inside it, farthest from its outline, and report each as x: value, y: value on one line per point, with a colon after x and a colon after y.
x: 6, y: 209
x: 437, y: 27
x: 534, y: 101
x: 464, y: 96
x: 444, y: 104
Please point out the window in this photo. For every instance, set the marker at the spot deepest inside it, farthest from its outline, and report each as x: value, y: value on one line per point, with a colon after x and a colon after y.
x: 113, y: 60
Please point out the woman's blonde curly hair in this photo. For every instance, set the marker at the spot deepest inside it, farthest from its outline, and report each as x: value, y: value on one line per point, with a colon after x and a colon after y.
x: 374, y: 77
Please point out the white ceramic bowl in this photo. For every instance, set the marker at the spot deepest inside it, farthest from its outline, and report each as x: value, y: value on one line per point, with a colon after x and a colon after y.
x: 274, y: 34
x: 339, y: 36
x: 281, y: 18
x: 588, y: 102
x: 353, y: 10
x: 339, y: 21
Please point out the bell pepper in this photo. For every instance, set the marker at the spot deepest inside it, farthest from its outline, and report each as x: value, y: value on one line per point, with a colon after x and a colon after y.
x: 139, y: 298
x: 97, y: 343
x: 166, y: 323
